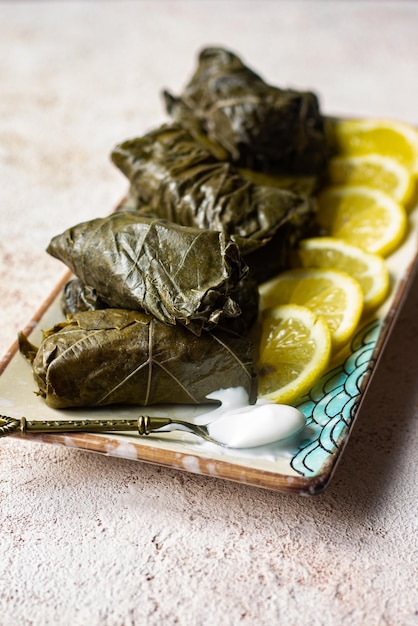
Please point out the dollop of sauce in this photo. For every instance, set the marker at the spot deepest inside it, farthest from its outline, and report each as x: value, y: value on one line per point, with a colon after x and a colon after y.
x: 237, y: 424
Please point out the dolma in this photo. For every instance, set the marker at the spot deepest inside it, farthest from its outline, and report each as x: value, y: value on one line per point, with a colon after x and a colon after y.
x: 175, y: 178
x: 116, y: 356
x: 77, y: 298
x: 177, y: 274
x: 254, y: 124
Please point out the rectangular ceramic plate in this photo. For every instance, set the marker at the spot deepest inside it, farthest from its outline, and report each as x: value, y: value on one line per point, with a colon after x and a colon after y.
x: 304, y: 464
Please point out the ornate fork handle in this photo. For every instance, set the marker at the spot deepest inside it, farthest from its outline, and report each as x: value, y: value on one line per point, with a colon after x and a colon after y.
x: 9, y: 425
x: 142, y: 424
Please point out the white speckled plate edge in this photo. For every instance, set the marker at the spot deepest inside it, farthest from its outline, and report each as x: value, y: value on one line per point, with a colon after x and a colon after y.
x: 304, y: 465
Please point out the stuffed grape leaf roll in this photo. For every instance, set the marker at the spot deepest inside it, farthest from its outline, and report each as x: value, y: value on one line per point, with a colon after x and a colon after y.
x: 77, y: 298
x: 256, y: 125
x: 116, y: 356
x: 177, y: 274
x: 174, y: 177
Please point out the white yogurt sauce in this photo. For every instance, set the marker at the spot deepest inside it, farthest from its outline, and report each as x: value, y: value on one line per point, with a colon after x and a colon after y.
x: 237, y: 424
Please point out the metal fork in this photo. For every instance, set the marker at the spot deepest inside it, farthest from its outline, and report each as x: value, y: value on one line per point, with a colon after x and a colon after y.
x: 143, y: 425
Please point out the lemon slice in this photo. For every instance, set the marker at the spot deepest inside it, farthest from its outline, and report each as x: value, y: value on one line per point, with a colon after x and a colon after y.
x: 374, y: 170
x: 385, y: 137
x: 368, y: 269
x: 365, y: 217
x: 330, y: 293
x: 295, y: 350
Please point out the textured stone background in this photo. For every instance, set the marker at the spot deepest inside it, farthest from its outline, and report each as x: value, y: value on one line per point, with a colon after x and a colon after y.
x: 86, y: 539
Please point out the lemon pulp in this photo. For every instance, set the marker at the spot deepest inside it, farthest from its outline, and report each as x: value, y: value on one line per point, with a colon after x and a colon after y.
x: 385, y: 137
x: 330, y: 293
x: 365, y: 217
x: 295, y: 350
x: 373, y: 170
x: 368, y: 269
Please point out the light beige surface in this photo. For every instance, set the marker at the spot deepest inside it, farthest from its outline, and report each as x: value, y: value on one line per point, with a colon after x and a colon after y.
x: 87, y: 539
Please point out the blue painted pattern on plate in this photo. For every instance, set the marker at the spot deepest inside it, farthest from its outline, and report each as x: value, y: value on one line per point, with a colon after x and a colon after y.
x: 331, y: 404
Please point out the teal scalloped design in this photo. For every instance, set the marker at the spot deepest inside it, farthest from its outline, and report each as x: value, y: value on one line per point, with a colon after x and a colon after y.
x: 331, y: 404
